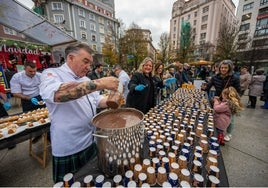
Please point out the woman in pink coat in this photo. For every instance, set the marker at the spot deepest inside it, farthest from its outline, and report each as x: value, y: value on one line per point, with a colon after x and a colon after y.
x: 224, y: 109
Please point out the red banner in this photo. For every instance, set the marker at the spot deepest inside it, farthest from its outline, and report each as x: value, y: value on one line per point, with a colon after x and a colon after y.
x: 12, y: 55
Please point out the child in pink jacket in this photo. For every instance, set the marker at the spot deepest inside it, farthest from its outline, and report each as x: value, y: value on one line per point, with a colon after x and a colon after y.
x: 224, y: 109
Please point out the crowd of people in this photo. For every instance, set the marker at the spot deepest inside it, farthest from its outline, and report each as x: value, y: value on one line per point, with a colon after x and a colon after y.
x: 74, y: 91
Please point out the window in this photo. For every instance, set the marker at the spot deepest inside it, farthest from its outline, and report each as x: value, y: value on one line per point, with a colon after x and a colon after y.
x: 93, y: 38
x: 108, y: 13
x: 261, y: 27
x: 243, y: 36
x: 94, y: 47
x: 205, y: 9
x: 244, y: 27
x: 174, y: 29
x: 182, y: 19
x: 174, y: 35
x: 57, y: 6
x: 195, y: 14
x: 83, y: 24
x: 262, y: 32
x: 9, y: 31
x: 175, y: 21
x: 83, y: 35
x: 58, y: 18
x: 263, y: 11
x: 92, y: 27
x: 194, y: 22
x: 204, y: 18
x: 202, y: 35
x: 101, y: 29
x: 109, y: 32
x: 189, y: 16
x: 246, y: 17
x: 101, y: 20
x: 260, y: 43
x: 204, y: 26
x: 91, y: 16
x: 102, y: 39
x: 262, y: 23
x: 263, y: 2
x: 248, y: 6
x: 81, y: 12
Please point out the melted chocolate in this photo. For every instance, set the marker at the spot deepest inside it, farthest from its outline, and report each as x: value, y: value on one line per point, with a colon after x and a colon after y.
x: 120, y: 118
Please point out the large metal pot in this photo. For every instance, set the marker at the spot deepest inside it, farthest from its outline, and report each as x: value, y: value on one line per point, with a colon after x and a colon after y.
x: 119, y: 136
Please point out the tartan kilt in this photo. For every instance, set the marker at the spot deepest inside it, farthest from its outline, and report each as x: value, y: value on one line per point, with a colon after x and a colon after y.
x: 72, y: 163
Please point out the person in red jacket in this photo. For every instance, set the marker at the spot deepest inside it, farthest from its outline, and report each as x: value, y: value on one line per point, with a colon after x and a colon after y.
x: 224, y: 109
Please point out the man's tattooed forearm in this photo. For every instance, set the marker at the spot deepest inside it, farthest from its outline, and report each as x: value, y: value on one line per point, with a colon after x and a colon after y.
x: 91, y: 86
x: 72, y: 91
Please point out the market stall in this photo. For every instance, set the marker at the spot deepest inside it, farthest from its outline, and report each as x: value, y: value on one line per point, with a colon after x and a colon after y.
x: 19, y: 128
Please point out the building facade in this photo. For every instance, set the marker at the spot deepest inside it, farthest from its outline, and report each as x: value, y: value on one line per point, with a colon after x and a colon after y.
x: 205, y: 18
x: 88, y: 21
x: 253, y: 31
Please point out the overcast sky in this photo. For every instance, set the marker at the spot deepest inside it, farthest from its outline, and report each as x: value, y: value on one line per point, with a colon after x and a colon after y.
x: 148, y: 14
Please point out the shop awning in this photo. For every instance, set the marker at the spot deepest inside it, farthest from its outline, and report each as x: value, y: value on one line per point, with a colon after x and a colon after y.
x: 18, y: 17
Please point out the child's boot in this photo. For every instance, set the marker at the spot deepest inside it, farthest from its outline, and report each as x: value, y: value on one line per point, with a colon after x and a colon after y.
x: 221, y: 139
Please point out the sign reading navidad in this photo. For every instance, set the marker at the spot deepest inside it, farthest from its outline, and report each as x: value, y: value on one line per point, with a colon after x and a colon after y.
x: 14, y: 52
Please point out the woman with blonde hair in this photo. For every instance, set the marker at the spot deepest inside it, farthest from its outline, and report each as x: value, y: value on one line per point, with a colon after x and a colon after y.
x: 141, y: 87
x: 224, y: 109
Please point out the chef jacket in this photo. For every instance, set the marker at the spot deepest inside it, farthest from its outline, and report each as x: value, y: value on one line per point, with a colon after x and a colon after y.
x: 71, y: 127
x: 21, y: 83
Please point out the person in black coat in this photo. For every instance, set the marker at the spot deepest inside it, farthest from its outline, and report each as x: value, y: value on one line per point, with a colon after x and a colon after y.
x: 158, y: 81
x: 265, y: 91
x: 141, y: 87
x: 97, y: 73
x: 224, y: 79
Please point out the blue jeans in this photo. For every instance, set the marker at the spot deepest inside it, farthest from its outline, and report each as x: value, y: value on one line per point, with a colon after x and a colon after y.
x: 211, y: 94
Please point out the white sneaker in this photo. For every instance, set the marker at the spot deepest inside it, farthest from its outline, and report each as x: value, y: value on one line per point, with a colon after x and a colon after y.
x: 227, y: 137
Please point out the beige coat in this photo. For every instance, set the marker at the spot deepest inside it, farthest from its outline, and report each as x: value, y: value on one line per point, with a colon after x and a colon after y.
x: 256, y: 86
x: 245, y: 80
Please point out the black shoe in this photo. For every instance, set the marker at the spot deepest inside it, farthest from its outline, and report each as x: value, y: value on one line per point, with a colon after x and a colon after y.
x: 11, y: 147
x: 35, y: 139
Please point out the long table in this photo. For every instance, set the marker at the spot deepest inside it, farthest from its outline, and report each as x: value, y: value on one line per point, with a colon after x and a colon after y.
x: 91, y: 168
x: 29, y: 134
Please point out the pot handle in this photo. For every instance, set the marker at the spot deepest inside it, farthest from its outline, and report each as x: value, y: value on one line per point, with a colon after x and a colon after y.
x: 100, y: 136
